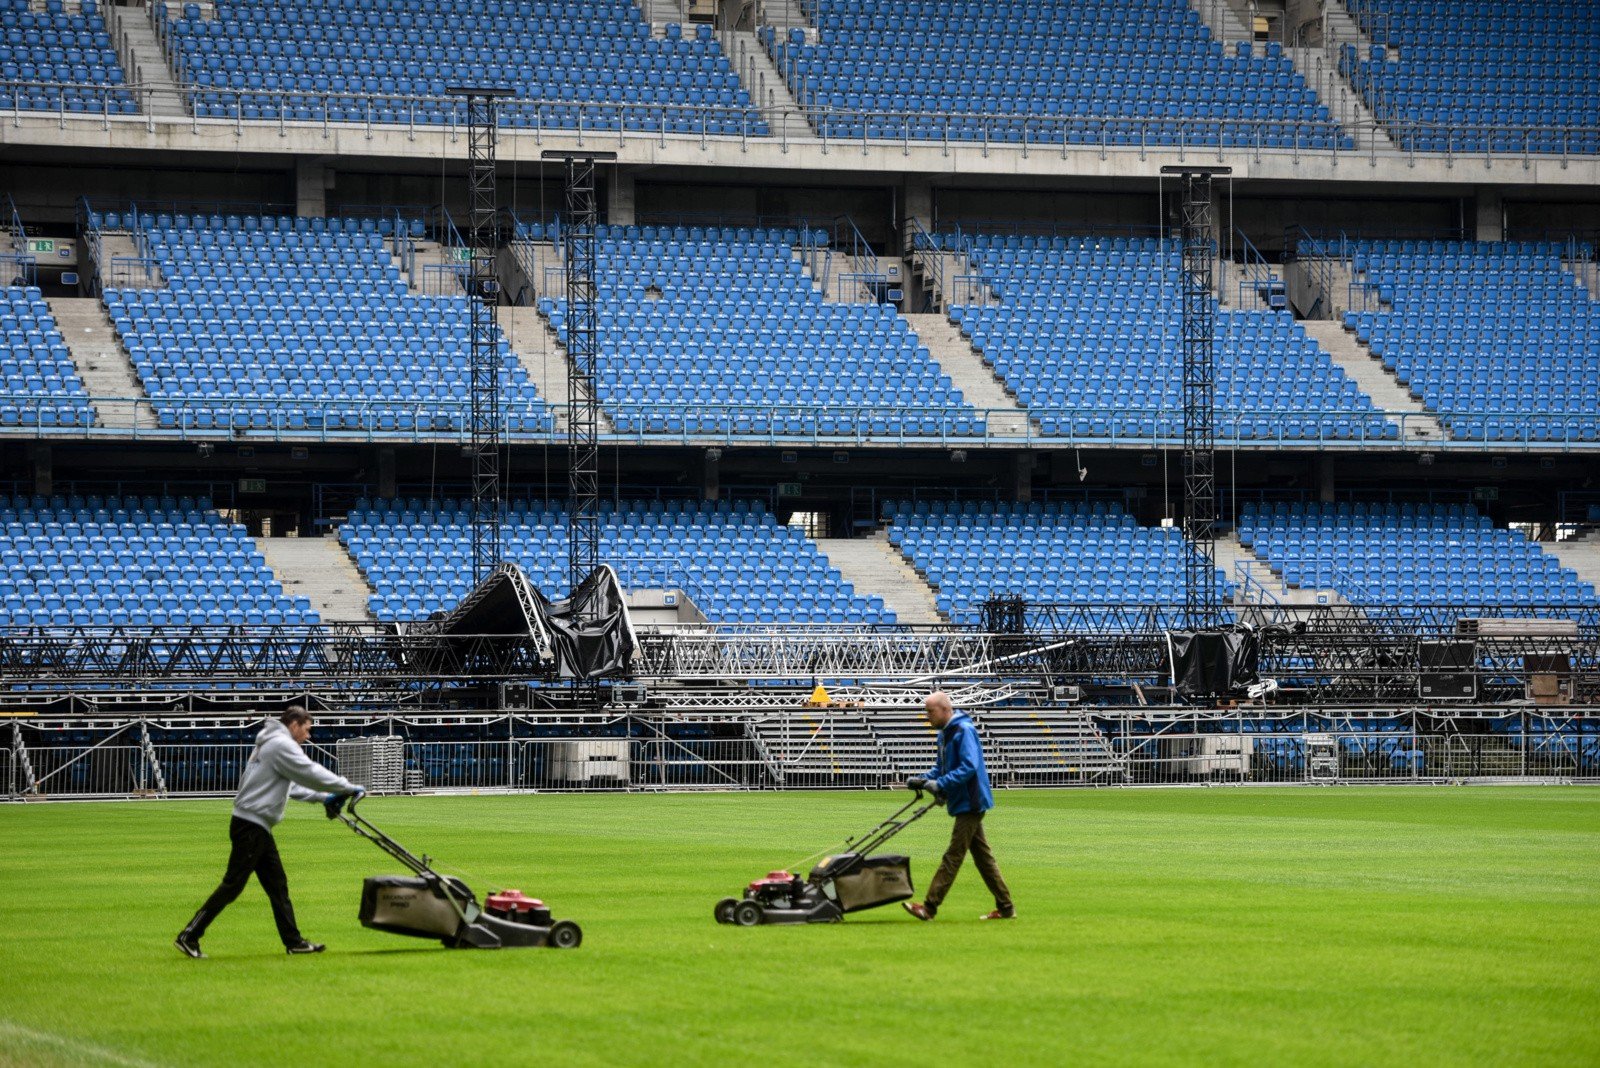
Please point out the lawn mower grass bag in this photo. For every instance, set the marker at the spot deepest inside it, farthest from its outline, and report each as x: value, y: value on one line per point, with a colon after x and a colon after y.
x: 866, y: 882
x: 413, y: 905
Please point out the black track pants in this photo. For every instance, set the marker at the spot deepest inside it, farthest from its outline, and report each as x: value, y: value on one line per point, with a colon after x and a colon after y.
x: 254, y: 852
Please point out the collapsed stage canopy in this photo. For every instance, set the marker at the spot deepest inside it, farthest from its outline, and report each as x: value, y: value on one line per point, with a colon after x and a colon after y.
x: 507, y: 621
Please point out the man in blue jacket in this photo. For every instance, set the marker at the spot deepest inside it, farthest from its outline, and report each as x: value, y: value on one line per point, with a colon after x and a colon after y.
x: 963, y: 781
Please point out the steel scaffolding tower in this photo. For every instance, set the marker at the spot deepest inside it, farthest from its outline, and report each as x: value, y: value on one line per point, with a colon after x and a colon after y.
x: 1197, y: 332
x: 483, y: 288
x: 583, y: 405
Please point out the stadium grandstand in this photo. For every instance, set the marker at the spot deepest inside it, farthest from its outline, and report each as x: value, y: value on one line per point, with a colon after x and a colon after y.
x: 1019, y: 347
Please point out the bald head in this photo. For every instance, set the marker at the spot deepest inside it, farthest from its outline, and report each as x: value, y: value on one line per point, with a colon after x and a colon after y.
x: 937, y: 709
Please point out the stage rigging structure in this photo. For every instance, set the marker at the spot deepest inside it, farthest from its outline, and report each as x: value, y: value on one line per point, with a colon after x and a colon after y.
x: 485, y: 417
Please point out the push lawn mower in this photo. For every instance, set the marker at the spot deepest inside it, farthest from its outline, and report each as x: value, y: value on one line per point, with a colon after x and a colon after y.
x: 426, y: 904
x: 846, y: 882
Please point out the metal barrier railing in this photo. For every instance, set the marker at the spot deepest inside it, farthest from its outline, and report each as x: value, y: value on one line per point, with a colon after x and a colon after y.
x: 832, y: 127
x: 799, y: 753
x: 319, y: 419
x: 521, y: 764
x: 1399, y: 755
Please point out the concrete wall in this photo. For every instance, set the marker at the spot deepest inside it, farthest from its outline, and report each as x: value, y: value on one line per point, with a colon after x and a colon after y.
x: 48, y: 194
x: 872, y: 209
x: 967, y: 207
x: 1526, y: 217
x: 1264, y: 219
x: 532, y: 196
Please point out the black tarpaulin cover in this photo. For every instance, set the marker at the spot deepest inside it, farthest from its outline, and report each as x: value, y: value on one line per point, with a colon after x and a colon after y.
x: 590, y: 630
x: 1210, y: 663
x: 505, y: 626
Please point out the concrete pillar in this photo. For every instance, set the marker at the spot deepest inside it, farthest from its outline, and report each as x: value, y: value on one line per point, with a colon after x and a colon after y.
x: 1490, y: 216
x: 386, y: 479
x: 712, y: 474
x: 916, y: 202
x: 1325, y: 479
x: 1022, y: 477
x: 44, y: 481
x: 621, y: 203
x: 312, y: 180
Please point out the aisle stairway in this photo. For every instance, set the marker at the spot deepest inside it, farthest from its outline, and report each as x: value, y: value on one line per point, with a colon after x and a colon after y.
x: 320, y: 570
x: 873, y: 566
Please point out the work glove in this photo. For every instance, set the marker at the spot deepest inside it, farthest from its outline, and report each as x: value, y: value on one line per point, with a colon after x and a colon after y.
x: 331, y: 804
x: 917, y: 783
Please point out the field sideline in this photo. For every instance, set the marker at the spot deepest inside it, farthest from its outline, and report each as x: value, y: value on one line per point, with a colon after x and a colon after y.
x: 1331, y: 926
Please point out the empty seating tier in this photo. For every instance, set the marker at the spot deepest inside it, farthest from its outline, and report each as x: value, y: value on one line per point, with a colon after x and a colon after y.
x: 732, y: 559
x: 1103, y: 71
x: 721, y: 330
x: 1480, y: 75
x: 163, y: 561
x: 1071, y: 554
x: 40, y: 384
x: 1092, y: 324
x: 1381, y: 554
x: 385, y: 62
x: 1496, y: 337
x: 301, y: 324
x: 55, y: 61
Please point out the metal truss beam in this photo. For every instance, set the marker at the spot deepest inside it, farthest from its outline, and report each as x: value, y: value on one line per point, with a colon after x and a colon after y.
x: 1197, y: 332
x: 1319, y: 655
x: 483, y: 290
x: 579, y: 242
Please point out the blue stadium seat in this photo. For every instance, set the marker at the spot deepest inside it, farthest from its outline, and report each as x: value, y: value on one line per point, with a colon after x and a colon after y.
x: 129, y: 561
x: 1384, y: 553
x: 1081, y: 553
x: 288, y: 324
x: 733, y: 559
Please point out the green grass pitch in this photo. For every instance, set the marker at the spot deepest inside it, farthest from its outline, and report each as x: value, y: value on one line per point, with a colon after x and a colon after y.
x: 1405, y: 926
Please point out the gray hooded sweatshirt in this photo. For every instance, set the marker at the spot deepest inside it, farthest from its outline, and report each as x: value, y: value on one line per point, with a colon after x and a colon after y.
x: 278, y: 770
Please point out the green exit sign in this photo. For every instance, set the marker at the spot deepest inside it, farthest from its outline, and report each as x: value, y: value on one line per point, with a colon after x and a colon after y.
x: 41, y: 244
x: 252, y: 485
x: 462, y: 255
x: 788, y: 489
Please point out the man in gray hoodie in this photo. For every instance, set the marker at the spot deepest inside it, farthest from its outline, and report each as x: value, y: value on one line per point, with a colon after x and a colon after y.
x: 278, y: 770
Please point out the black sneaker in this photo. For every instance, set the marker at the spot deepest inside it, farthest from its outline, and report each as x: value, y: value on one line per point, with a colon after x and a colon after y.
x: 303, y: 946
x: 189, y: 947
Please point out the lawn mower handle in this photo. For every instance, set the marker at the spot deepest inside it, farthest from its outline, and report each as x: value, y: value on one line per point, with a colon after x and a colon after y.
x: 892, y: 826
x: 368, y: 830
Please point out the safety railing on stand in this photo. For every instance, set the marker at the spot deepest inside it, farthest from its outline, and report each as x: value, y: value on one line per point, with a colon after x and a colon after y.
x: 663, y: 423
x: 1257, y: 279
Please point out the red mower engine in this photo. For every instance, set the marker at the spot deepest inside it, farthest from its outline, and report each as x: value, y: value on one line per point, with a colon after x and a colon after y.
x: 517, y: 907
x: 776, y: 889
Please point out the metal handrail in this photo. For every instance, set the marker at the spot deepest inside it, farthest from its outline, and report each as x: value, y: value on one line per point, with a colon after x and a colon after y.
x: 977, y: 129
x: 302, y: 418
x: 921, y: 251
x: 856, y: 249
x: 1256, y: 270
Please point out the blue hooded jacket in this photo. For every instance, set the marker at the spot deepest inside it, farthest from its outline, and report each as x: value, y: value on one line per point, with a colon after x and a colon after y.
x: 960, y: 774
